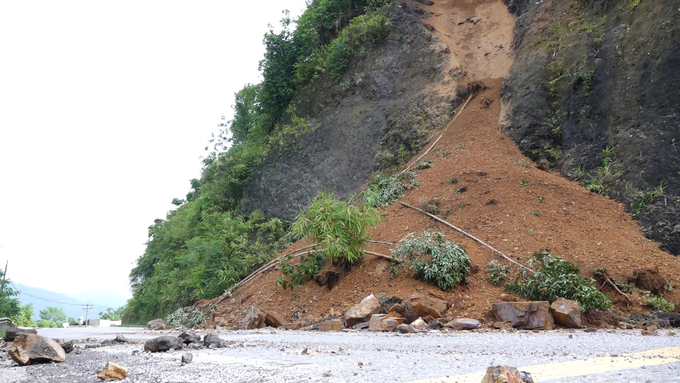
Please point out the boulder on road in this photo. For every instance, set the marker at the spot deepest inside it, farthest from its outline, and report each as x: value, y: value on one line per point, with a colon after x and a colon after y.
x: 32, y: 348
x: 420, y: 306
x: 190, y: 336
x: 157, y: 324
x: 362, y: 311
x: 211, y: 339
x: 331, y: 325
x: 14, y: 331
x: 567, y: 313
x: 524, y: 315
x: 506, y: 374
x: 406, y: 329
x: 254, y: 319
x: 387, y: 301
x: 274, y: 319
x: 67, y: 345
x: 113, y: 371
x: 464, y: 324
x: 419, y: 324
x: 382, y: 322
x: 163, y: 343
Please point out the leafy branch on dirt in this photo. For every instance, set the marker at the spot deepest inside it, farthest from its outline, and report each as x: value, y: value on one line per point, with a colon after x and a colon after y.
x: 433, y: 259
x: 557, y: 278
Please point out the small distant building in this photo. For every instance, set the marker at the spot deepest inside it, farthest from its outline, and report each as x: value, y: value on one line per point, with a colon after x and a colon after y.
x: 5, y: 323
x: 104, y: 323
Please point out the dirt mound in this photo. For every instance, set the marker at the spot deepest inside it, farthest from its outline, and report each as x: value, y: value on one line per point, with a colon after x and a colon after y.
x: 485, y: 186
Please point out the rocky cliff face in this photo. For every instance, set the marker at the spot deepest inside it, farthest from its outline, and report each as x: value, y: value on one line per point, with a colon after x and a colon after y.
x: 381, y: 114
x: 594, y: 94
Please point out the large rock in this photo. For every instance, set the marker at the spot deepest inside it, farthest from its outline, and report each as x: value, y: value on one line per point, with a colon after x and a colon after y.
x: 362, y: 311
x: 156, y: 325
x: 211, y: 339
x: 387, y: 301
x: 382, y: 322
x: 13, y: 332
x: 190, y: 336
x: 524, y: 315
x: 464, y: 324
x: 567, y: 313
x: 32, y: 348
x: 506, y: 374
x: 331, y: 325
x: 67, y: 345
x: 420, y: 306
x: 163, y: 343
x: 274, y: 319
x: 113, y: 371
x: 254, y: 319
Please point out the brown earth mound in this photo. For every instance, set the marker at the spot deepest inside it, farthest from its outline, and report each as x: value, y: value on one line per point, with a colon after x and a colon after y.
x: 485, y: 186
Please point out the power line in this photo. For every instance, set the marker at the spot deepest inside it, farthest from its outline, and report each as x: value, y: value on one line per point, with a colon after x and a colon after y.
x: 53, y: 301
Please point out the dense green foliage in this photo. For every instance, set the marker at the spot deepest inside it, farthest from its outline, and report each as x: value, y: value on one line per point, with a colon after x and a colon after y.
x: 206, y: 245
x: 498, y: 273
x: 10, y: 306
x: 340, y: 232
x: 433, y: 259
x: 556, y: 278
x: 111, y: 314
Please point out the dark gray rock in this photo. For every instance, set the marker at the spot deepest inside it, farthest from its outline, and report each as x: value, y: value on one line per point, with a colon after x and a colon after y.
x: 406, y: 329
x: 187, y: 358
x: 121, y: 339
x: 387, y: 302
x: 13, y: 332
x: 67, y: 345
x: 212, y: 340
x: 163, y: 343
x: 190, y: 336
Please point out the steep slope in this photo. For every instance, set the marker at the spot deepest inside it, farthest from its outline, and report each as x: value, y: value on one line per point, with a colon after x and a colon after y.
x: 485, y: 185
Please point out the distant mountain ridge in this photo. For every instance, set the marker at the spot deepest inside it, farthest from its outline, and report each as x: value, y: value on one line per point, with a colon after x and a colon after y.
x: 72, y: 304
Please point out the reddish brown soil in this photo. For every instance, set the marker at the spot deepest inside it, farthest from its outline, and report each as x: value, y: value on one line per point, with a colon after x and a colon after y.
x: 488, y: 200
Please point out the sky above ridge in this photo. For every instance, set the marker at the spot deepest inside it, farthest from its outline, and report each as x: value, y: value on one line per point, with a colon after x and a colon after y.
x: 105, y: 111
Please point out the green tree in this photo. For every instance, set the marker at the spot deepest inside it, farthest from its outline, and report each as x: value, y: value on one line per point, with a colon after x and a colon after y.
x: 112, y: 314
x: 52, y: 314
x: 9, y: 306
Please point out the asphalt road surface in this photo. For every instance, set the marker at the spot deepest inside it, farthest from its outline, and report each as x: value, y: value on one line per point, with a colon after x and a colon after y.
x: 303, y: 356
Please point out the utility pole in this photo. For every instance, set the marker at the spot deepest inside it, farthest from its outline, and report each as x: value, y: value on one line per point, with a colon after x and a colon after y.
x: 87, y: 308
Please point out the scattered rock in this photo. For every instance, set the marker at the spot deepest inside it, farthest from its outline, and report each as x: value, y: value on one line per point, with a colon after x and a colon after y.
x: 211, y: 339
x: 567, y: 313
x: 435, y: 325
x: 361, y: 325
x: 625, y: 326
x: 387, y: 302
x: 13, y: 332
x: 506, y: 374
x: 163, y: 343
x: 419, y: 324
x: 397, y: 309
x: 254, y: 319
x: 121, y: 339
x: 524, y: 315
x: 406, y: 329
x: 331, y: 325
x: 274, y: 319
x: 292, y: 326
x: 32, y: 348
x: 381, y: 322
x: 464, y: 324
x: 673, y: 319
x: 113, y: 371
x: 362, y: 311
x: 500, y: 325
x: 190, y: 336
x: 590, y: 329
x: 420, y: 305
x: 157, y: 324
x: 187, y: 358
x: 67, y: 345
x: 645, y: 332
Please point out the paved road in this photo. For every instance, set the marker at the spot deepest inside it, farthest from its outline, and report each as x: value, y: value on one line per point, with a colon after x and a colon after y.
x: 299, y: 356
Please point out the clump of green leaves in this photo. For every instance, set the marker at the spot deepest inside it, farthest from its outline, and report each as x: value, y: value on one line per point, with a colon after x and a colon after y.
x: 187, y: 317
x: 340, y: 228
x: 433, y: 259
x: 384, y: 190
x: 430, y: 206
x: 300, y: 273
x: 556, y: 278
x: 660, y: 304
x: 498, y: 273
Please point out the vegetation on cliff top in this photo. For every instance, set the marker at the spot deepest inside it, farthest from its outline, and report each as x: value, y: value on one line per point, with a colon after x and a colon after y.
x: 206, y: 245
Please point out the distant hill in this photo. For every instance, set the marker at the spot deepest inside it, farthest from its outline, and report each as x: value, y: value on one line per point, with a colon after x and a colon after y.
x: 71, y: 303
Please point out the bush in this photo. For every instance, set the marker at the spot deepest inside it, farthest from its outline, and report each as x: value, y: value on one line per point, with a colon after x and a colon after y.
x: 660, y: 304
x: 187, y: 317
x: 556, y: 278
x: 433, y: 259
x: 498, y: 273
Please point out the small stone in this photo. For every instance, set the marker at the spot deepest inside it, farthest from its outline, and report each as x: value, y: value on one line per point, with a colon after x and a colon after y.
x: 327, y: 373
x: 163, y: 343
x: 419, y: 324
x: 212, y: 340
x: 464, y: 324
x: 331, y: 325
x: 156, y: 325
x: 32, y: 348
x: 121, y: 339
x: 567, y: 313
x: 406, y: 329
x: 590, y: 329
x: 187, y: 357
x: 625, y: 326
x: 113, y: 371
x: 274, y: 319
x: 420, y: 306
x: 190, y: 336
x: 501, y: 325
x: 254, y: 319
x: 646, y: 333
x: 506, y: 374
x: 362, y: 311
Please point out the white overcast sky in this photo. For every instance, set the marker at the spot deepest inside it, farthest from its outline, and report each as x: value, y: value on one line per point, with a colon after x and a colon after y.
x: 105, y: 108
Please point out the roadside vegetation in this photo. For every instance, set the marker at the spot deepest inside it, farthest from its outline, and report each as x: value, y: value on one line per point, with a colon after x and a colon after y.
x: 207, y: 244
